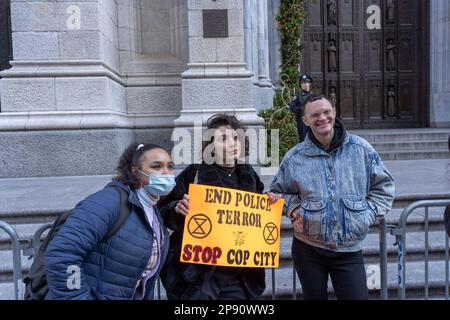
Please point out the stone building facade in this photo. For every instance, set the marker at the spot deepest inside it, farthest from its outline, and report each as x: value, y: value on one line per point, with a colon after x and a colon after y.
x: 90, y: 77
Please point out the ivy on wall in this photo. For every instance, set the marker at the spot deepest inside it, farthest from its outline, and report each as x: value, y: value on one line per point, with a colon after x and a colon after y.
x: 290, y: 20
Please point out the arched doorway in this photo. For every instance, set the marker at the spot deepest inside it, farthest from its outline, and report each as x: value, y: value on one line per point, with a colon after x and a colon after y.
x: 378, y: 78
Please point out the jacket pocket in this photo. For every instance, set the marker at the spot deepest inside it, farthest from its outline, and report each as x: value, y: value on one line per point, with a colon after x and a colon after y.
x: 356, y: 222
x: 312, y: 218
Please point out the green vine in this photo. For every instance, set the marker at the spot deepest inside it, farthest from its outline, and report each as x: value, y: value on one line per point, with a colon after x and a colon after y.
x: 290, y: 19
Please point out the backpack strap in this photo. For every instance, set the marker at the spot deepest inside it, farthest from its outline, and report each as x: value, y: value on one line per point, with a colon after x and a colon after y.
x: 123, y: 214
x: 196, y: 175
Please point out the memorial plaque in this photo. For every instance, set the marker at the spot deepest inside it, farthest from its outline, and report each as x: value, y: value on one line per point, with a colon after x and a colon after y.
x: 215, y: 23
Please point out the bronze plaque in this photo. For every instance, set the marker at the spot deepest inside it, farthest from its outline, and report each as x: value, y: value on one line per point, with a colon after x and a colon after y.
x: 215, y: 23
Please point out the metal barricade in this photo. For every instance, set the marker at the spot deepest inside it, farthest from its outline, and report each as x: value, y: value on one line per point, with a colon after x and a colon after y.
x: 17, y: 262
x: 35, y: 241
x: 400, y: 234
x: 383, y: 266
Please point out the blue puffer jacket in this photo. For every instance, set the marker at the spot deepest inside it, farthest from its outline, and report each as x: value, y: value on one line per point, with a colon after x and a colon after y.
x: 109, y: 269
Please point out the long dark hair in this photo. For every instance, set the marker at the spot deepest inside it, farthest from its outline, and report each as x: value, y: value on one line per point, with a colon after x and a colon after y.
x: 132, y: 157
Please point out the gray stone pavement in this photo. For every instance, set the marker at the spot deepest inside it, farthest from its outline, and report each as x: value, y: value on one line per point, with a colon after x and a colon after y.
x: 412, y: 177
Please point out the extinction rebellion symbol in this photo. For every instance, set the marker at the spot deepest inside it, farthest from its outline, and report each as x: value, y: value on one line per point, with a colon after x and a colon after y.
x: 199, y: 226
x: 270, y: 233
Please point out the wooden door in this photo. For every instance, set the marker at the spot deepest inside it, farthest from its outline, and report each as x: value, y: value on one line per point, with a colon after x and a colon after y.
x: 376, y: 78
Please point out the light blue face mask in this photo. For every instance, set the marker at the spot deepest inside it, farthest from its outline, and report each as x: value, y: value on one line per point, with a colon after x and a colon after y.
x: 159, y: 184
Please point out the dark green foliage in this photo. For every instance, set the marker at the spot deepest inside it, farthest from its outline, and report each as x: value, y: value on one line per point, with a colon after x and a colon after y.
x: 290, y: 19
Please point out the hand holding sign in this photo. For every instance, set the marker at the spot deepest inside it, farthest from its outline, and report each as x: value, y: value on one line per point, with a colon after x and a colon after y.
x: 228, y: 227
x: 273, y: 197
x: 182, y: 206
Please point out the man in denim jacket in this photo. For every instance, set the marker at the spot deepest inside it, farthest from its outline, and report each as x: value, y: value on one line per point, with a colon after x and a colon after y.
x: 335, y: 186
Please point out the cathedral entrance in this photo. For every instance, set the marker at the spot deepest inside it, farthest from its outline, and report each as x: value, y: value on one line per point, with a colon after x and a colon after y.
x: 377, y: 78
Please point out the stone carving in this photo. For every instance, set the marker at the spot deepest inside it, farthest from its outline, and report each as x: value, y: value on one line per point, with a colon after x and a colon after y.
x: 390, y: 48
x: 332, y: 12
x: 332, y: 57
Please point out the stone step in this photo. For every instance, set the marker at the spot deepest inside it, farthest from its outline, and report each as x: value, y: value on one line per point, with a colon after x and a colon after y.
x: 31, y: 216
x: 7, y: 291
x: 403, y: 200
x: 415, y: 247
x: 415, y: 283
x: 415, y: 155
x: 438, y: 145
x: 415, y: 221
x: 390, y: 135
x: 6, y: 266
x: 415, y: 244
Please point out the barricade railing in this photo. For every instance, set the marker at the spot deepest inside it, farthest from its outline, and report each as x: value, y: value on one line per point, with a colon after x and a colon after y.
x: 400, y: 233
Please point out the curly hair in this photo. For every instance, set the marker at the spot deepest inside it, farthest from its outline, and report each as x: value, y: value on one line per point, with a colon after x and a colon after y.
x: 132, y: 157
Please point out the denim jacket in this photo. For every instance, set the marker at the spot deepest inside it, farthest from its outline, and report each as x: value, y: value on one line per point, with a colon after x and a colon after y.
x: 339, y: 195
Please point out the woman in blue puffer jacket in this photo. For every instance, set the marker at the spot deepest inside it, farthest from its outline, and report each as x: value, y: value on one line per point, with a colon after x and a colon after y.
x: 80, y: 265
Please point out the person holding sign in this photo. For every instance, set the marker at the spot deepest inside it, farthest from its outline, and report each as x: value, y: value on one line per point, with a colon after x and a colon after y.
x: 188, y: 281
x: 92, y: 256
x: 335, y: 186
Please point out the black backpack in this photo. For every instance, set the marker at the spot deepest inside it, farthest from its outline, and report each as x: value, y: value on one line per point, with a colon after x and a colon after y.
x: 36, y: 286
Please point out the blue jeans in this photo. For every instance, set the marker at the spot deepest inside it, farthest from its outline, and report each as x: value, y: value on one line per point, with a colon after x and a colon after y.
x: 346, y: 270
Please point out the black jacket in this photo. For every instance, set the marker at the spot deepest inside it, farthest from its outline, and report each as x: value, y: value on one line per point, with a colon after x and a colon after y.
x: 180, y: 279
x: 296, y: 105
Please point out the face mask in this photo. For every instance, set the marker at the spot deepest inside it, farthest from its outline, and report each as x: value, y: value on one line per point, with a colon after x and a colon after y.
x: 159, y: 184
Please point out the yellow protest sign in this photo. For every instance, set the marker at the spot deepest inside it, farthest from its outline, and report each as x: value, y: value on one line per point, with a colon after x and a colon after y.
x: 228, y: 227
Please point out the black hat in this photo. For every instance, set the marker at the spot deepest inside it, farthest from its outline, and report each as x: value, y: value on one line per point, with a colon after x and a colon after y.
x: 306, y: 78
